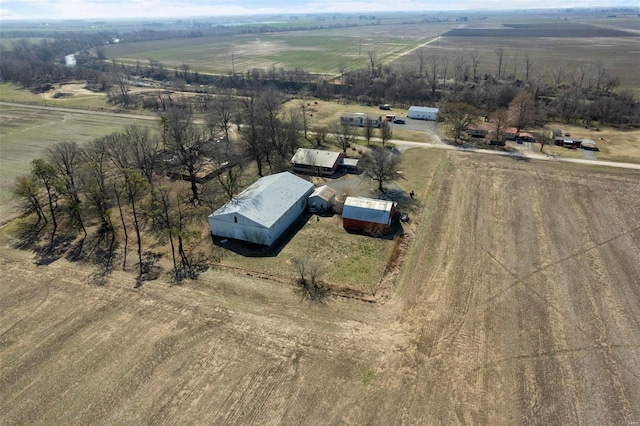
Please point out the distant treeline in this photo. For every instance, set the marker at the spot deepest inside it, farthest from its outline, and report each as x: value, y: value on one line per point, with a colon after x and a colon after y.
x: 588, y: 93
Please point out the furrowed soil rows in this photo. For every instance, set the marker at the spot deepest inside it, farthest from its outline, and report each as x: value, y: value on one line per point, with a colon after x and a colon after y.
x: 518, y: 303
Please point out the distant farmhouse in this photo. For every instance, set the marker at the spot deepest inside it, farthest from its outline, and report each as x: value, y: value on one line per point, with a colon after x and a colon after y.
x: 423, y: 113
x: 316, y: 161
x: 360, y: 119
x: 367, y: 214
x: 263, y: 211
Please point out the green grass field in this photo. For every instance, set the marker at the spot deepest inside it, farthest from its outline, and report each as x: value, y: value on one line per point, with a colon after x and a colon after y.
x: 25, y: 134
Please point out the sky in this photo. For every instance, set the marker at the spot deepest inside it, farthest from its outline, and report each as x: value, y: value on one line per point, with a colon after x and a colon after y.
x: 105, y: 9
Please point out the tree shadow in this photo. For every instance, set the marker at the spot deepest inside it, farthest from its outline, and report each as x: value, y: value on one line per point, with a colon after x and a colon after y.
x: 28, y: 235
x: 46, y: 255
x: 150, y: 270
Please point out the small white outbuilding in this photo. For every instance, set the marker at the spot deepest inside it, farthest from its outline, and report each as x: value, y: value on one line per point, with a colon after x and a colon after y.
x: 263, y: 211
x: 322, y: 199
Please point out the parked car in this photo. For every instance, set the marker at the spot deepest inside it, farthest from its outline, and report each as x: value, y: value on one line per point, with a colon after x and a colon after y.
x: 399, y: 121
x: 385, y: 107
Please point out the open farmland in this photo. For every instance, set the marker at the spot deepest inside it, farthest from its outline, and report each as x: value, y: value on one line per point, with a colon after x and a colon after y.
x: 518, y: 304
x: 566, y: 47
x: 315, y: 51
x: 27, y: 131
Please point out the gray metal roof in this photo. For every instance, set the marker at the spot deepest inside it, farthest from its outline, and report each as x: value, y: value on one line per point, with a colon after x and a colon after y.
x: 315, y: 157
x: 423, y: 109
x: 367, y: 210
x: 267, y: 199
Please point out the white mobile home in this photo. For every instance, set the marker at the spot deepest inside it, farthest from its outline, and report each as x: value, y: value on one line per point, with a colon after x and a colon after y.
x: 423, y: 113
x: 263, y: 211
x: 360, y: 119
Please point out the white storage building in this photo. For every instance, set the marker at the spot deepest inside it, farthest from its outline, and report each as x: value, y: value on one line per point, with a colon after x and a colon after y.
x: 322, y: 199
x: 263, y: 211
x: 423, y: 113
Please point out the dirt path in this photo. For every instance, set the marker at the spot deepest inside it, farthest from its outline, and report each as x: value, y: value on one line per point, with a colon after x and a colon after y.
x: 517, y: 304
x: 80, y: 111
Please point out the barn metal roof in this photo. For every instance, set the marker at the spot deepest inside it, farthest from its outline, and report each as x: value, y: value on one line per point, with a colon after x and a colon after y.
x: 368, y: 210
x: 315, y: 157
x: 267, y: 199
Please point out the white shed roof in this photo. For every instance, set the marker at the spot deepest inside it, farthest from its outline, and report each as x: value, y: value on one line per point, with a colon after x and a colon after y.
x: 267, y: 199
x: 423, y: 109
x: 325, y: 192
x: 367, y: 210
x: 315, y: 157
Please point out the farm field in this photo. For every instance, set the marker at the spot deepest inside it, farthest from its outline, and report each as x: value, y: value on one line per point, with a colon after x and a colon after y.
x: 26, y: 132
x: 517, y: 303
x: 619, y: 53
x: 315, y: 51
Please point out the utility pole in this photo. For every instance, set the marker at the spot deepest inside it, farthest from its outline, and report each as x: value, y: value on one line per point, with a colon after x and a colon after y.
x: 233, y: 65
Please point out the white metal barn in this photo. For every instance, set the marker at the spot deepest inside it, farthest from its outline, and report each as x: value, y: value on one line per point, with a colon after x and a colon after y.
x: 423, y: 113
x: 263, y: 211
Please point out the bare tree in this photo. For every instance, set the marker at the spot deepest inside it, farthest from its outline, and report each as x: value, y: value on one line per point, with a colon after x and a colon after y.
x: 372, y: 55
x: 500, y: 121
x: 522, y: 110
x: 144, y: 148
x: 94, y: 176
x: 544, y: 138
x: 380, y: 165
x: 309, y: 272
x: 460, y: 69
x: 188, y: 143
x: 500, y: 55
x: 420, y: 53
x: 250, y: 132
x: 528, y: 66
x: 46, y: 175
x: 368, y: 130
x: 432, y: 74
x: 66, y: 157
x: 27, y: 189
x: 343, y: 135
x: 458, y: 117
x: 386, y: 132
x: 559, y: 71
x: 475, y: 60
x: 220, y: 111
x: 134, y: 186
x: 121, y: 81
x: 320, y: 135
x: 228, y: 162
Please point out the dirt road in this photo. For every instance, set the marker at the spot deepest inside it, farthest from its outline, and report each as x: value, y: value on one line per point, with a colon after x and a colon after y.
x: 518, y: 303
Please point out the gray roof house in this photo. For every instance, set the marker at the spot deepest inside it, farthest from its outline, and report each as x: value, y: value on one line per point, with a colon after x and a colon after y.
x: 316, y: 161
x: 263, y: 211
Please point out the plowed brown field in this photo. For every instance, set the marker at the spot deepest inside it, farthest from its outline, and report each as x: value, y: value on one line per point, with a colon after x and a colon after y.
x: 518, y: 303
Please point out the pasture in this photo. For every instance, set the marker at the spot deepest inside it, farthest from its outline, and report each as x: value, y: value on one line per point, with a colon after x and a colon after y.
x: 517, y: 303
x: 27, y: 131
